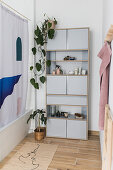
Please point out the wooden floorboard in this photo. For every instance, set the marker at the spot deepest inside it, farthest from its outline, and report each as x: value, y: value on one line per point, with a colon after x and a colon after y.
x: 70, y: 154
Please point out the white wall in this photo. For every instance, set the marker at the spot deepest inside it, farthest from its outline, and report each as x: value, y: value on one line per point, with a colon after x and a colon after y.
x: 78, y: 13
x: 26, y: 7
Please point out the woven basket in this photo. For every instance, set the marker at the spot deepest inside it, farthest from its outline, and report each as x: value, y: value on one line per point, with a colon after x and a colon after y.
x: 39, y: 135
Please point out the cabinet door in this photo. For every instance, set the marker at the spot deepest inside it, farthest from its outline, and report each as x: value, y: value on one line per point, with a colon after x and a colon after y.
x: 77, y: 39
x: 66, y: 100
x: 76, y: 129
x: 56, y: 128
x: 77, y: 85
x: 59, y: 41
x: 56, y: 84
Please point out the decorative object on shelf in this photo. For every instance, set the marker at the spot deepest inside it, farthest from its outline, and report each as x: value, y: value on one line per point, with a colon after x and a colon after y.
x: 42, y: 34
x: 58, y: 70
x: 62, y: 114
x: 53, y: 111
x: 79, y: 70
x: 53, y: 72
x: 83, y: 72
x: 71, y: 72
x: 76, y: 71
x: 39, y: 131
x: 79, y: 116
x: 58, y: 114
x: 66, y: 114
x: 69, y: 58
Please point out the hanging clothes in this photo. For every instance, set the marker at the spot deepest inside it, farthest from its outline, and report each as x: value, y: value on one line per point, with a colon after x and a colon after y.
x: 105, y: 56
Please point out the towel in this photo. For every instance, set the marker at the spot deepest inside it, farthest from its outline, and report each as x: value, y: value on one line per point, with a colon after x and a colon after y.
x: 105, y: 56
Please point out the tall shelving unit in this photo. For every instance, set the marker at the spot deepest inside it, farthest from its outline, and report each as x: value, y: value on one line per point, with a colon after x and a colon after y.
x: 68, y: 92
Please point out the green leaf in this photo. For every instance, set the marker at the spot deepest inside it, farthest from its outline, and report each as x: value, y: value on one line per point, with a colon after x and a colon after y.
x: 36, y: 86
x: 38, y: 66
x: 37, y: 31
x: 48, y: 63
x: 55, y: 21
x: 42, y: 79
x: 51, y: 33
x: 31, y: 68
x: 32, y: 81
x: 34, y: 50
x: 39, y: 40
x: 44, y: 52
x: 34, y: 114
x: 49, y: 25
x: 45, y: 120
x: 30, y: 117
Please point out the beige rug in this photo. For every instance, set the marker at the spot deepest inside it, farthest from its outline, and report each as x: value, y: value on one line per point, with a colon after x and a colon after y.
x: 32, y: 156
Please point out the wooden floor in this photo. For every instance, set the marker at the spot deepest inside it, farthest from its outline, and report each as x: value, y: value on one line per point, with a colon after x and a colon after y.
x: 70, y: 154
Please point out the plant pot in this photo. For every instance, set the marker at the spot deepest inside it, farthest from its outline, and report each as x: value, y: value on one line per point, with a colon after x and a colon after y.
x: 53, y: 24
x: 39, y: 135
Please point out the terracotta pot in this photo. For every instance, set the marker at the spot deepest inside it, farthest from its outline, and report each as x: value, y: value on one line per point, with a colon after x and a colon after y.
x: 58, y: 71
x: 39, y: 135
x: 53, y: 24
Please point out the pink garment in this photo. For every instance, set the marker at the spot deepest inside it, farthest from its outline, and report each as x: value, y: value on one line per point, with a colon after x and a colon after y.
x: 105, y: 55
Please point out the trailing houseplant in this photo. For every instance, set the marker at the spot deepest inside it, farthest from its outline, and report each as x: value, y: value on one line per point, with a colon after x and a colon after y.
x: 42, y: 34
x: 40, y: 115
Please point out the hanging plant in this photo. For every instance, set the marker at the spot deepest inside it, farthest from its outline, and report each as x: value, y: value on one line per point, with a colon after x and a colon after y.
x: 42, y: 34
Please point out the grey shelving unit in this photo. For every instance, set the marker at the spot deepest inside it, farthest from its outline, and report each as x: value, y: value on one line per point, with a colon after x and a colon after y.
x: 69, y: 93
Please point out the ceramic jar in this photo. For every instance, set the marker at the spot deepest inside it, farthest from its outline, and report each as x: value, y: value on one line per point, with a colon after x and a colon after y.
x: 58, y: 71
x: 76, y: 71
x: 54, y: 72
x: 83, y: 72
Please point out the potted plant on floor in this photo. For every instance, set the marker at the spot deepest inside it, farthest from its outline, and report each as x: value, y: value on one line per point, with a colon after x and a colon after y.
x: 40, y: 115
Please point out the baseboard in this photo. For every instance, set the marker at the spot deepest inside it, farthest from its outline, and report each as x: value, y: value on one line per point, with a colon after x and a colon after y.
x: 95, y: 133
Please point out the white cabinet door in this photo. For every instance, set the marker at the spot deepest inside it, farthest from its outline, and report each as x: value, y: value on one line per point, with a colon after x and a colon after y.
x: 76, y: 129
x: 59, y: 41
x: 56, y: 84
x: 56, y: 128
x: 67, y: 100
x: 77, y: 85
x: 77, y: 39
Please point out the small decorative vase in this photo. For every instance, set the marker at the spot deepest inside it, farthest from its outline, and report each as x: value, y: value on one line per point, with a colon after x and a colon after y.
x: 80, y: 70
x: 76, y: 71
x: 53, y: 111
x: 53, y: 73
x: 83, y: 72
x: 58, y: 71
